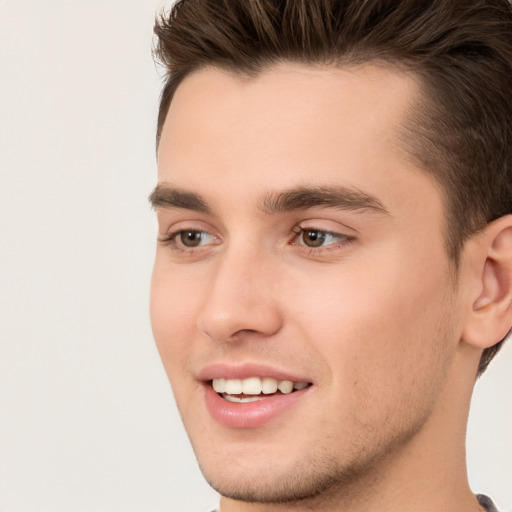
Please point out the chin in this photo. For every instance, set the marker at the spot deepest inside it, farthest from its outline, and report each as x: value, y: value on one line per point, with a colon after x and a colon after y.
x: 275, y: 483
x: 314, y: 473
x: 312, y: 476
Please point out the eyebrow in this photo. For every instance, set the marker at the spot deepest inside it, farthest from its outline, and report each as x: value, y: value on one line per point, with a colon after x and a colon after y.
x: 301, y: 198
x: 340, y: 198
x: 166, y: 196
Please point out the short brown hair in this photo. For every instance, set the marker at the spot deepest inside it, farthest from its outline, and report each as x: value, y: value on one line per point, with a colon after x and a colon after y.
x: 461, y: 52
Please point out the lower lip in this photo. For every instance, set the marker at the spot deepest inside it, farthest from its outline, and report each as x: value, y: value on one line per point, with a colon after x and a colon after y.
x: 249, y: 414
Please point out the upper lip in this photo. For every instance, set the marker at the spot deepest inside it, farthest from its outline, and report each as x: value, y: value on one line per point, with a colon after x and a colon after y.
x: 246, y: 370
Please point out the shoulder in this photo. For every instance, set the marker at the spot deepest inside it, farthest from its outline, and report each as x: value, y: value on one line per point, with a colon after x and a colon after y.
x: 485, y: 501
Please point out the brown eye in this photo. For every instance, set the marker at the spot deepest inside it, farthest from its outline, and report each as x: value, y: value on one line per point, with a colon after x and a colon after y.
x: 313, y: 237
x: 318, y: 238
x: 191, y: 238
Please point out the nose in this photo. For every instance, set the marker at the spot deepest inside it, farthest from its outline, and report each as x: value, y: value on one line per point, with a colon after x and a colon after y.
x: 241, y: 298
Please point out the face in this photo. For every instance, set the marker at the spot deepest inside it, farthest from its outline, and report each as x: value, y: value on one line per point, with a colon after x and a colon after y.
x: 299, y: 248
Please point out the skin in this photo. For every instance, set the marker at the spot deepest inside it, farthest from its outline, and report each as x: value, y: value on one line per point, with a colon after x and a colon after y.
x: 377, y: 318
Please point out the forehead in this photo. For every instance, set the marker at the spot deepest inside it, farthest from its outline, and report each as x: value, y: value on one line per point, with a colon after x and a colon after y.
x: 292, y: 125
x: 218, y: 101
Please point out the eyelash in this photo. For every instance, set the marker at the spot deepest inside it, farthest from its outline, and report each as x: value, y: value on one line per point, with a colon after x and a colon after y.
x: 171, y: 241
x: 298, y: 231
x: 301, y: 231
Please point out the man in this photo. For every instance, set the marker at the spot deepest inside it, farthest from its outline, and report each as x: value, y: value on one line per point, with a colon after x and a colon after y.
x: 334, y: 265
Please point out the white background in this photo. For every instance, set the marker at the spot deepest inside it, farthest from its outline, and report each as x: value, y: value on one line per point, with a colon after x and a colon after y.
x: 87, y: 420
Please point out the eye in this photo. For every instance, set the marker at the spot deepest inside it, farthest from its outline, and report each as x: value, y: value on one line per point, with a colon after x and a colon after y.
x: 183, y: 239
x: 313, y: 238
x: 192, y: 238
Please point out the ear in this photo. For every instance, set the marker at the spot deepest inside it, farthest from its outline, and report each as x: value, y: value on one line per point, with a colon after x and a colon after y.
x: 490, y: 318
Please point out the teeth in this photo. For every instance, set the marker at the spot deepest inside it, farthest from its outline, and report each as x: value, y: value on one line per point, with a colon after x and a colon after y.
x: 233, y: 386
x: 254, y: 386
x: 251, y: 386
x: 268, y: 385
x: 242, y: 399
x: 285, y: 386
x: 219, y: 385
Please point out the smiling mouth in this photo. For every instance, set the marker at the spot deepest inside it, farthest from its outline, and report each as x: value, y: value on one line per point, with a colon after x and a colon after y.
x: 254, y: 389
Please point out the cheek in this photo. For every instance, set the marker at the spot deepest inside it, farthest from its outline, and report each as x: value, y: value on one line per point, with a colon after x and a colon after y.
x: 172, y: 312
x: 385, y: 346
x: 378, y: 324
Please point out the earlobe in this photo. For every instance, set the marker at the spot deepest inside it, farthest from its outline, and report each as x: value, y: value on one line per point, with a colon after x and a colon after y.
x: 491, y: 317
